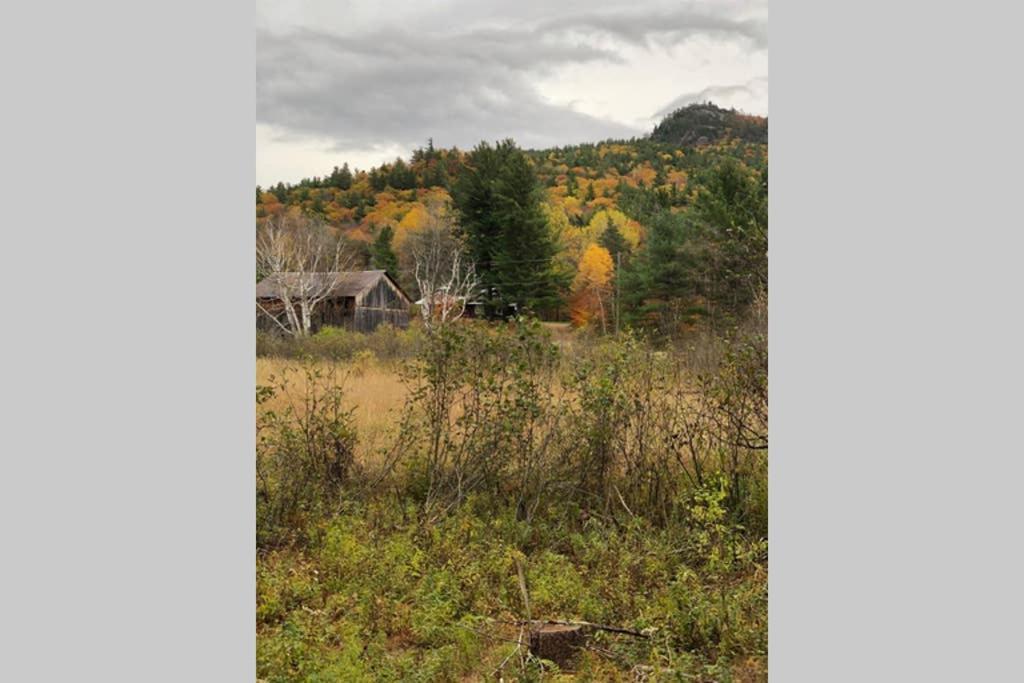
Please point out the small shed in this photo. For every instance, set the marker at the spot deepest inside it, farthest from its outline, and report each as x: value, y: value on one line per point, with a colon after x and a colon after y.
x: 358, y: 300
x: 442, y: 301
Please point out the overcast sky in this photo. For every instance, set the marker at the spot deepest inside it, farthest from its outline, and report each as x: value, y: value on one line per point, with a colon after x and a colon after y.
x: 364, y: 81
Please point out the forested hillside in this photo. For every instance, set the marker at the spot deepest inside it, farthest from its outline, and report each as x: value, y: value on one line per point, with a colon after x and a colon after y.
x: 662, y: 231
x: 706, y: 123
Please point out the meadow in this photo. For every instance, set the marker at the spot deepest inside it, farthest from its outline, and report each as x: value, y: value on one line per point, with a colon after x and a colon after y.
x: 426, y: 502
x: 373, y: 391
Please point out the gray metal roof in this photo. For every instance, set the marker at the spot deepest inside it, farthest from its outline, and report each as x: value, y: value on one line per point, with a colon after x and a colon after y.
x: 349, y: 283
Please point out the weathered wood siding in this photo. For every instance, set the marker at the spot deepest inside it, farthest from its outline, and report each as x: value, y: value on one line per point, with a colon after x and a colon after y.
x: 382, y: 303
x: 335, y: 312
x: 273, y: 307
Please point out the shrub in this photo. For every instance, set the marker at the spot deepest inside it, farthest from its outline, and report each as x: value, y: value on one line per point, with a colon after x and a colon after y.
x: 480, y: 400
x: 303, y: 454
x: 336, y: 343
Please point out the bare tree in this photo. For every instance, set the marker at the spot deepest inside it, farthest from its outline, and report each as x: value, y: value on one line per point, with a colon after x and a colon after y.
x: 446, y: 279
x: 304, y: 262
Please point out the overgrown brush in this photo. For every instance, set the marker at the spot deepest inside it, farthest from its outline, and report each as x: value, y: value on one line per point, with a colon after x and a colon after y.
x: 627, y: 483
x: 483, y: 403
x: 386, y: 343
x: 304, y: 453
x: 388, y: 594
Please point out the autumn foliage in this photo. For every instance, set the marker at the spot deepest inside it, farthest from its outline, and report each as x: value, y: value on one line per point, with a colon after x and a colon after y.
x: 591, y: 294
x: 588, y: 194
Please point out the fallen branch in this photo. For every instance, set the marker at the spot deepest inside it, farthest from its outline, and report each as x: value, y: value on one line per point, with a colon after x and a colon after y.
x: 623, y: 501
x: 522, y: 587
x: 585, y: 624
x: 519, y: 646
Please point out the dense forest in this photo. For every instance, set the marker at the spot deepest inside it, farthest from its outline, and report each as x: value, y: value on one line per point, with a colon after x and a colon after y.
x: 664, y: 231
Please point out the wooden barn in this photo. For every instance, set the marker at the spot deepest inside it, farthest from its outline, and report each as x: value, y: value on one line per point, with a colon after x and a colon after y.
x: 359, y: 300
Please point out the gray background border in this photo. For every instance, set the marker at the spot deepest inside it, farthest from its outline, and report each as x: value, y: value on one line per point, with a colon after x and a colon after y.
x: 894, y: 341
x: 127, y: 490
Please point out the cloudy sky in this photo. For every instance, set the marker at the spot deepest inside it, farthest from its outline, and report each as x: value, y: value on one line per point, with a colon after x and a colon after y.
x: 364, y: 81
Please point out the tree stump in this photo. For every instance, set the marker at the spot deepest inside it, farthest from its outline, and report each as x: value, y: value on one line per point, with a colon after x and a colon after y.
x: 559, y: 643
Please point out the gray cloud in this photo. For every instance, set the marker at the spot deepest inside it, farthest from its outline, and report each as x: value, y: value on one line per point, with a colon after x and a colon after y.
x: 724, y: 95
x: 404, y: 88
x: 463, y: 72
x: 667, y: 27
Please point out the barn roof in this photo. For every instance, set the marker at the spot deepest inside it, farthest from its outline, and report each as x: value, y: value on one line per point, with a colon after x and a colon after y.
x: 349, y: 283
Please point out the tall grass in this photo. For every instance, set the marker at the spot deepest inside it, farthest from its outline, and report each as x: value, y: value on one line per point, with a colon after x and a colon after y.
x: 386, y: 343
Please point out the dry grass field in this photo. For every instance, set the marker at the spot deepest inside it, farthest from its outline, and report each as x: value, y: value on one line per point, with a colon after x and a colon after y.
x: 374, y: 392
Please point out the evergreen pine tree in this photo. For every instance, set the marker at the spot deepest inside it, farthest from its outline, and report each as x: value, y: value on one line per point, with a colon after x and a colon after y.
x: 659, y: 177
x: 382, y: 256
x: 664, y: 274
x: 732, y: 209
x: 344, y: 178
x: 442, y: 173
x: 507, y: 234
x: 378, y: 178
x: 571, y: 187
x: 401, y: 176
x: 613, y: 240
x: 317, y: 207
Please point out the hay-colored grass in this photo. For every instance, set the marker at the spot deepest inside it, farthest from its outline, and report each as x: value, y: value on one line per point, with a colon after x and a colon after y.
x: 374, y: 391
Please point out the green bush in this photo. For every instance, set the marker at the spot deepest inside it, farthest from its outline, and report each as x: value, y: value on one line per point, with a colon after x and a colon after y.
x: 304, y: 453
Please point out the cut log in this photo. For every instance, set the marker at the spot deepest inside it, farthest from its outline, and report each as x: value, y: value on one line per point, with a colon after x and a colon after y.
x: 559, y: 643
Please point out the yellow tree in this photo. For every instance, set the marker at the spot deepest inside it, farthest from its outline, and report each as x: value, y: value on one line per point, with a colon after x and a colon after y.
x: 591, y: 287
x: 413, y: 221
x: 629, y: 228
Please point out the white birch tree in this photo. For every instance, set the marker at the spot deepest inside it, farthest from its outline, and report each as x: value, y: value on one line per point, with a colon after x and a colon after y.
x: 446, y: 279
x: 304, y: 262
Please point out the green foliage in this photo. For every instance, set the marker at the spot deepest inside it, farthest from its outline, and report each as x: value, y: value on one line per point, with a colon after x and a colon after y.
x: 385, y: 343
x: 709, y: 261
x: 401, y: 177
x: 382, y: 256
x: 341, y: 178
x: 507, y: 234
x: 613, y: 240
x: 732, y: 207
x: 386, y: 596
x: 662, y: 283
